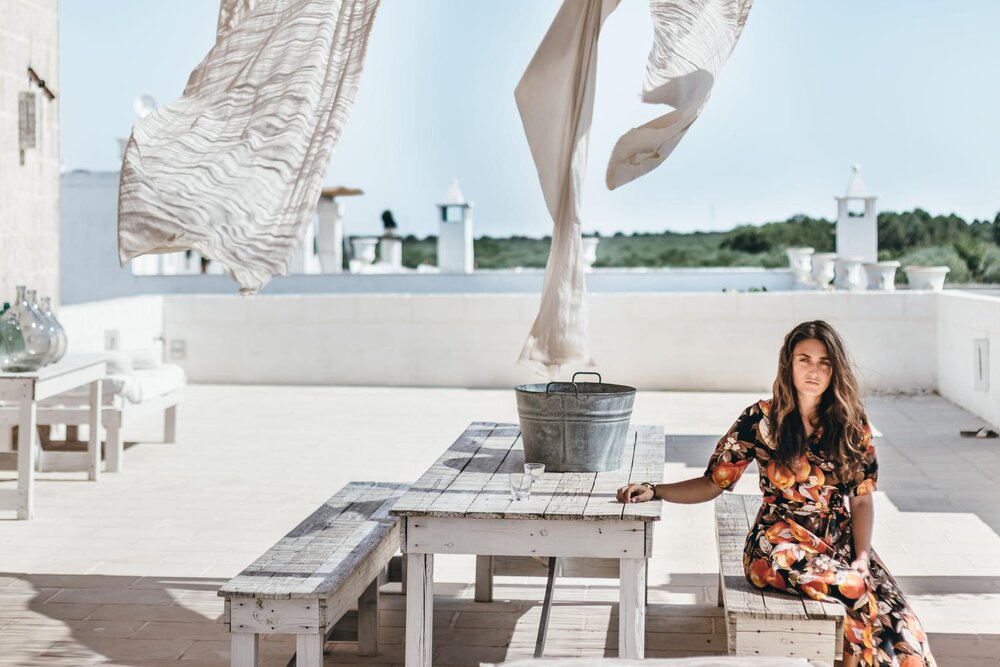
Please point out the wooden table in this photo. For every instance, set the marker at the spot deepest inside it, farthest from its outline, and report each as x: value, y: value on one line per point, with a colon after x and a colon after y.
x: 462, y: 505
x: 25, y: 390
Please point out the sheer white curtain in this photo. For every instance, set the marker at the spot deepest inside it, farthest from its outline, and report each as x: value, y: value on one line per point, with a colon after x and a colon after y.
x: 692, y: 39
x: 233, y: 169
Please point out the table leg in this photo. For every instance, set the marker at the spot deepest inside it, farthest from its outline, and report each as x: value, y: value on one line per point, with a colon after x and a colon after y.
x: 632, y: 609
x: 243, y: 652
x: 94, y: 441
x: 484, y: 578
x: 309, y: 650
x: 419, y: 609
x: 27, y: 421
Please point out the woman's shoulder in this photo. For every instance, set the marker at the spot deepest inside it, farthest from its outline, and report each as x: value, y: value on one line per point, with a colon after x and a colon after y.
x: 758, y: 409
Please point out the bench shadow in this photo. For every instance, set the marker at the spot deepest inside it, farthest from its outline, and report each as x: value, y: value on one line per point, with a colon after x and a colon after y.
x: 104, y: 613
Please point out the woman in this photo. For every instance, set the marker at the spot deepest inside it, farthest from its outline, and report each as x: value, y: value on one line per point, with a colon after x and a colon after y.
x: 812, y: 536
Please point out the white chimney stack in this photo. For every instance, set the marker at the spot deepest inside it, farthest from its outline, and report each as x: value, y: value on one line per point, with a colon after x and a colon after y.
x: 455, y: 249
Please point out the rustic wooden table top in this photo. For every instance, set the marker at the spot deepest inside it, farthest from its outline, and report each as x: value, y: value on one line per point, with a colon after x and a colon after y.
x: 470, y: 481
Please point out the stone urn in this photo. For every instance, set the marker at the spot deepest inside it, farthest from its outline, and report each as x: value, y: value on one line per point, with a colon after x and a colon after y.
x: 589, y: 253
x: 823, y: 269
x: 364, y: 250
x: 800, y: 262
x: 926, y: 277
x: 849, y: 274
x: 882, y: 275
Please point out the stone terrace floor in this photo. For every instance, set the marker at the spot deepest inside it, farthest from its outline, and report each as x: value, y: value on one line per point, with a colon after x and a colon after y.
x: 124, y: 571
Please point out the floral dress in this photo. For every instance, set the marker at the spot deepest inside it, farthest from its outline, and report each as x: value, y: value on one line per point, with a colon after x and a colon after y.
x: 802, y: 540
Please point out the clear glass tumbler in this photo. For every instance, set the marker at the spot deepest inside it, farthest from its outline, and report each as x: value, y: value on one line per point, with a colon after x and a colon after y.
x: 520, y: 485
x: 535, y: 470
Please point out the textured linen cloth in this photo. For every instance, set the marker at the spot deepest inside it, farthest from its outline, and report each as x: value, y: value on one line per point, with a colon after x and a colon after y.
x: 692, y: 39
x: 233, y: 169
x: 556, y: 100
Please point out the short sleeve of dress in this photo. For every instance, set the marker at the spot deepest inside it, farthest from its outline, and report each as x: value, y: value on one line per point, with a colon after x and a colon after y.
x: 869, y: 467
x: 735, y: 451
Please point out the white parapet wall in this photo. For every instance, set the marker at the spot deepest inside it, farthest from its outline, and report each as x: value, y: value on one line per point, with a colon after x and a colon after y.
x: 673, y: 341
x: 133, y: 323
x: 964, y: 319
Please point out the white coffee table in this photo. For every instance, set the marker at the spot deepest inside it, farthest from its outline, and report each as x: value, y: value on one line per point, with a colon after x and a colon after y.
x: 25, y: 390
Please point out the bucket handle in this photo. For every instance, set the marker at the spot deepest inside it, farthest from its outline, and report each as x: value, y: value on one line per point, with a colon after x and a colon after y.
x: 599, y: 380
x: 548, y: 388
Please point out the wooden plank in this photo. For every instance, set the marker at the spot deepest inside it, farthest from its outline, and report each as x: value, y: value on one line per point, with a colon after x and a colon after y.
x: 731, y: 528
x: 26, y: 435
x: 537, y: 566
x: 287, y: 555
x: 419, y: 609
x: 63, y: 461
x: 494, y: 499
x: 484, y: 579
x: 570, y: 498
x: 632, y: 609
x: 439, y: 476
x: 257, y: 615
x: 68, y: 374
x: 526, y: 537
x: 309, y: 650
x: 814, y: 640
x: 603, y: 502
x: 647, y: 466
x: 477, y: 473
x: 244, y: 650
x: 94, y: 437
x: 368, y: 620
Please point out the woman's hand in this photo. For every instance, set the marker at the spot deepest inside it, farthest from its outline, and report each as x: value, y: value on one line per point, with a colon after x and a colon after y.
x: 862, y: 566
x: 634, y: 493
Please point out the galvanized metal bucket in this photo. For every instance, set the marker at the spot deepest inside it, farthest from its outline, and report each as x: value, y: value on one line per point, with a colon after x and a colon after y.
x: 575, y: 426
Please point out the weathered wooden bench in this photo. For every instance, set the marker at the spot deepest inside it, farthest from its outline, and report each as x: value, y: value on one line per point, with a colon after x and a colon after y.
x: 768, y: 623
x: 307, y: 581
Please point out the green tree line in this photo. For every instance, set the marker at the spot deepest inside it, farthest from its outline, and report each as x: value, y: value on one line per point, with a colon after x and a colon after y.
x: 970, y: 249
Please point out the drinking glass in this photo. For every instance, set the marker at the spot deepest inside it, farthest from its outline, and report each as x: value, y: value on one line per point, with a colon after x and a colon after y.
x: 520, y: 485
x: 535, y: 470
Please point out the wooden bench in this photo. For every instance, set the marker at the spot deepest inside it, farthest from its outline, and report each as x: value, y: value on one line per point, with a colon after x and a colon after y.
x: 768, y: 623
x: 307, y: 581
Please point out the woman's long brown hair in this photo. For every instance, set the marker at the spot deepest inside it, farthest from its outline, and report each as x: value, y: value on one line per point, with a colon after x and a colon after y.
x: 840, y: 412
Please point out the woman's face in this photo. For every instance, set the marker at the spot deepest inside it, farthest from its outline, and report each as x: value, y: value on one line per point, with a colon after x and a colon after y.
x: 811, y: 369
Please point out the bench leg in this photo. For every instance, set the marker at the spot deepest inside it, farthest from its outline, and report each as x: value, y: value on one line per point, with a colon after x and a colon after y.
x: 244, y: 650
x: 170, y: 424
x: 632, y: 609
x: 309, y: 650
x: 114, y: 449
x: 368, y: 620
x: 484, y: 578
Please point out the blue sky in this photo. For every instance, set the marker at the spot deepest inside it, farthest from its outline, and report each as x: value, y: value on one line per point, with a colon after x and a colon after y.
x: 909, y: 90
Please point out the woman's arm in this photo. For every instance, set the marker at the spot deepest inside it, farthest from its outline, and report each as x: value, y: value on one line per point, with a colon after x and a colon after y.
x: 695, y: 490
x: 862, y: 520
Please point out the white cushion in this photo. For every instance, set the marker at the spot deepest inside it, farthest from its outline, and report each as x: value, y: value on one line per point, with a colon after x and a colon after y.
x: 136, y: 387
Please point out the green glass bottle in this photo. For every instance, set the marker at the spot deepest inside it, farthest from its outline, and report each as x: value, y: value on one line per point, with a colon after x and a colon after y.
x: 11, y: 340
